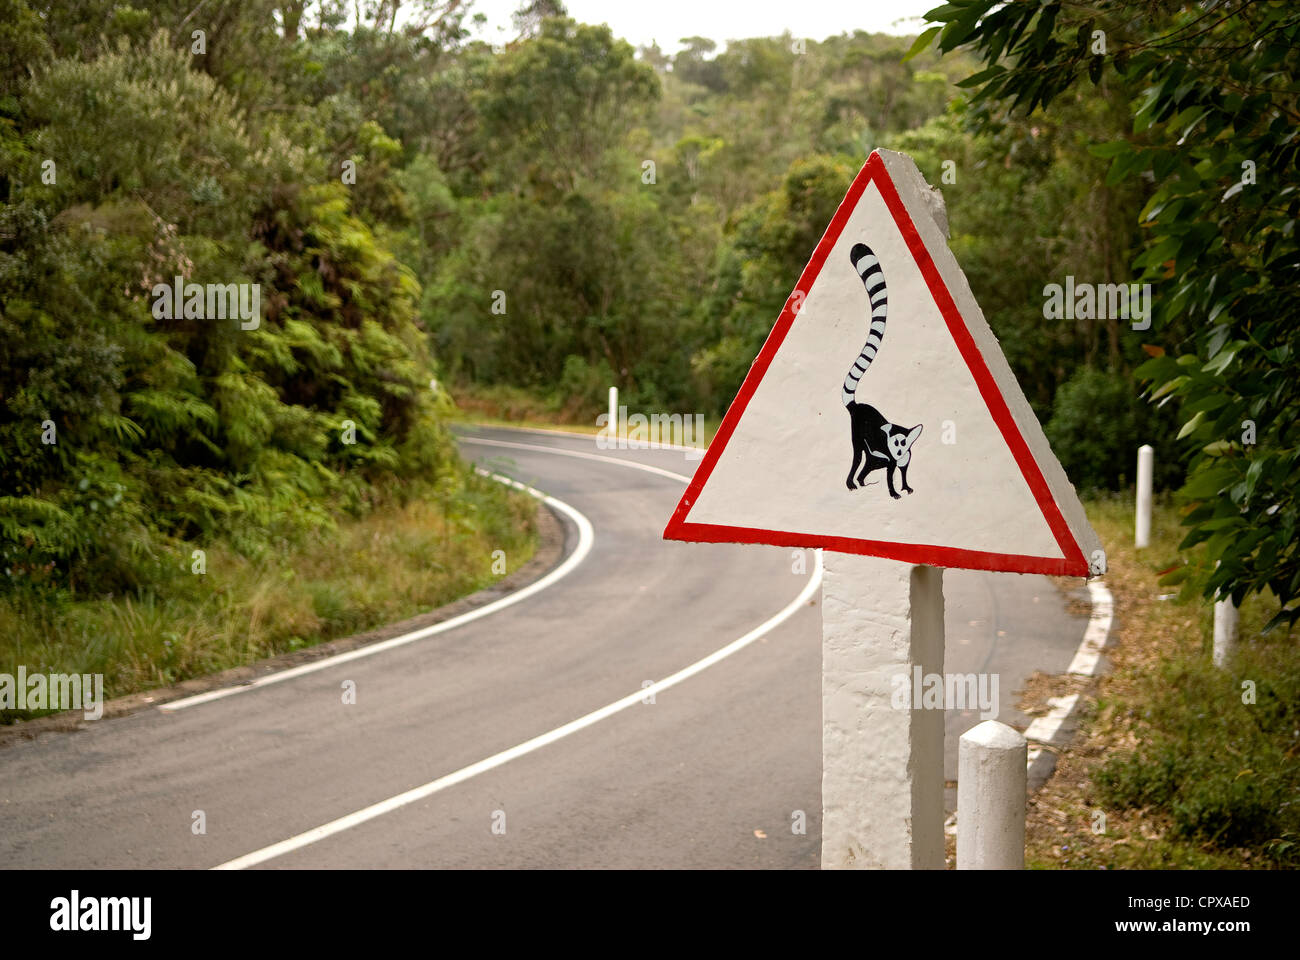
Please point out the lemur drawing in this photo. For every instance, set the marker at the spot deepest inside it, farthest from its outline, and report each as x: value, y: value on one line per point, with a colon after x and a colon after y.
x: 877, y: 443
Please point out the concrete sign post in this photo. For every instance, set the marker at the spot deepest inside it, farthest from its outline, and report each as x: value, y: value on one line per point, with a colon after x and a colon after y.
x: 882, y: 771
x: 881, y: 422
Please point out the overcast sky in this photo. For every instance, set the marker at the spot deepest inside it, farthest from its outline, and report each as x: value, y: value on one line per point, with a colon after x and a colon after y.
x: 641, y: 22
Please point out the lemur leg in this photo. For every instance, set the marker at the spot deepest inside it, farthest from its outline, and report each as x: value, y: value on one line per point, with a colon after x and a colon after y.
x: 857, y: 455
x: 867, y: 467
x: 903, y: 471
x: 890, y: 479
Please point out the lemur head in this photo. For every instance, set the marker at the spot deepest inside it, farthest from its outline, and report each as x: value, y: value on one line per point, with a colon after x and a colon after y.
x: 899, y: 441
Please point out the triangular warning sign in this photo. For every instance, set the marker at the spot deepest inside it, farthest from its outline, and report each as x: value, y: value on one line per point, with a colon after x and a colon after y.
x: 881, y: 417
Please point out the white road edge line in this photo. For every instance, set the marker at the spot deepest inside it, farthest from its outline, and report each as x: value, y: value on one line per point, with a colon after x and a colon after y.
x: 1088, y: 657
x: 585, y: 540
x: 586, y: 537
x: 650, y: 445
x: 1045, y: 729
x: 1085, y: 663
x: 574, y: 453
x: 505, y: 756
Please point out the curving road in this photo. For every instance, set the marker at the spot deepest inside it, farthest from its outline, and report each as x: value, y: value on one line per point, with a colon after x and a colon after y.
x: 709, y: 774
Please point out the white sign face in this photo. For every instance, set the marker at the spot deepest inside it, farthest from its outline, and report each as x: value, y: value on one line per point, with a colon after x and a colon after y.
x: 881, y: 417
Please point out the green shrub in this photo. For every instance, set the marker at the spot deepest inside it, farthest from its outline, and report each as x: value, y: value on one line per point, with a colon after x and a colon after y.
x: 127, y: 438
x: 584, y: 390
x: 1099, y: 421
x: 1221, y: 768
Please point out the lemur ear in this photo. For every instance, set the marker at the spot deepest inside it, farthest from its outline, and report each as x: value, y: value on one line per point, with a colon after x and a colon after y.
x: 914, y: 433
x: 885, y: 427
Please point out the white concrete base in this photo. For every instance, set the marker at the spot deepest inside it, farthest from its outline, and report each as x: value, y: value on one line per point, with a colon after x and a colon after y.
x: 882, y: 767
x: 991, y: 798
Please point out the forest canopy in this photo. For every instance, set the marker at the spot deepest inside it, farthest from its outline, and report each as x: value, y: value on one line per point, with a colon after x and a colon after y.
x: 424, y: 212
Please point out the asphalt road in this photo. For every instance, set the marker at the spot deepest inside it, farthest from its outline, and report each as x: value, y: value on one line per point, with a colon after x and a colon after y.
x: 711, y: 774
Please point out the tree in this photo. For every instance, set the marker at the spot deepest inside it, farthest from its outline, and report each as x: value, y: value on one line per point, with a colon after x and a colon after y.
x: 555, y: 105
x: 695, y: 63
x: 1215, y: 121
x: 126, y: 431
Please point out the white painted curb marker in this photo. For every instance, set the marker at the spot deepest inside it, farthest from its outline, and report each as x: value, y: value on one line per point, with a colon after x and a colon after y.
x: 991, y: 779
x: 1225, y: 631
x: 1146, y: 462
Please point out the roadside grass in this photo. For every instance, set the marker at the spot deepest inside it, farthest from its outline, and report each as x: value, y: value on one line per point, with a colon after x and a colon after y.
x: 498, y: 406
x: 400, y: 560
x: 1173, y: 767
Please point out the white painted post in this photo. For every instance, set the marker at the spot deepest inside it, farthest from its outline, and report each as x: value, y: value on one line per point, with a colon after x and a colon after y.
x: 613, y: 414
x: 882, y: 766
x: 991, y: 773
x: 1225, y: 631
x: 1146, y: 463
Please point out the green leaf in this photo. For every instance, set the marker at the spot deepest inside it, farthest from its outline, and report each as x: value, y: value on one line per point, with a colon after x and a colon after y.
x: 975, y: 79
x: 1168, y: 387
x: 1223, y: 359
x: 1207, y: 403
x: 1112, y: 149
x: 1191, y: 425
x: 1187, y: 119
x: 1252, y: 475
x: 1207, y: 483
x: 922, y: 41
x: 944, y: 12
x: 1154, y: 368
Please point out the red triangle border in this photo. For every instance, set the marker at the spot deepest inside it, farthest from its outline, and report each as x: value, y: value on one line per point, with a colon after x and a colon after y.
x: 1073, y: 563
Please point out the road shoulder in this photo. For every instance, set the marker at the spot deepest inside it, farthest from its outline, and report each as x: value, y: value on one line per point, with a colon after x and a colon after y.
x: 553, y: 544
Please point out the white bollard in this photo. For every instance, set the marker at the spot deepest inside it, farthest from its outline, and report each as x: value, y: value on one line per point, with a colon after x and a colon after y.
x: 1146, y: 463
x: 1225, y: 631
x: 991, y: 774
x: 613, y: 413
x: 882, y: 762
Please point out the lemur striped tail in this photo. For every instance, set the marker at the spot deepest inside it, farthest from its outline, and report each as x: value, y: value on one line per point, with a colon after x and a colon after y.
x: 873, y: 278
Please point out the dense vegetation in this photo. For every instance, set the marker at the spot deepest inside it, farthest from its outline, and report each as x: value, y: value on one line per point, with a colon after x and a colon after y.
x: 555, y: 216
x: 174, y: 459
x: 1190, y: 765
x: 1211, y: 135
x: 661, y: 261
x: 1210, y: 145
x: 423, y: 213
x: 560, y: 213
